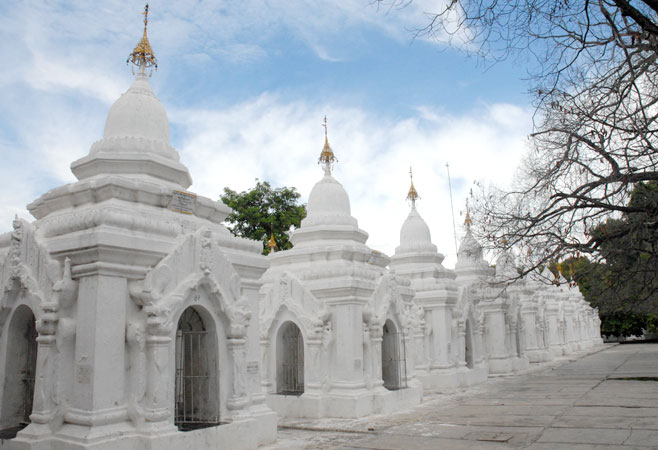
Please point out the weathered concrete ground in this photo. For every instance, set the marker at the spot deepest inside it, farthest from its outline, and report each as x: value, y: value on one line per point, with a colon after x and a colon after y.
x: 603, y: 400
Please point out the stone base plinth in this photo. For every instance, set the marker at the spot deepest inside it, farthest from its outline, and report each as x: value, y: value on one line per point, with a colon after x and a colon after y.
x: 453, y: 378
x: 538, y: 356
x: 245, y: 434
x: 520, y: 363
x: 497, y: 364
x: 558, y: 350
x: 439, y: 379
x: 345, y: 404
x: 476, y: 375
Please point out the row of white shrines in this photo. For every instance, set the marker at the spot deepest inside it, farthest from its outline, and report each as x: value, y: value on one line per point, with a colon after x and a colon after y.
x: 127, y: 324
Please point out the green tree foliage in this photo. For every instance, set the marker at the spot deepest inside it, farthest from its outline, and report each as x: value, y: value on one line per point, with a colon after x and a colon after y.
x: 621, y: 311
x: 264, y: 209
x: 624, y: 285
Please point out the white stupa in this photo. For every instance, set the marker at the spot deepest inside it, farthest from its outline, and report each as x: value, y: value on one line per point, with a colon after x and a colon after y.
x: 449, y: 351
x: 475, y: 278
x: 534, y: 339
x: 514, y: 296
x: 140, y: 296
x: 470, y: 266
x: 334, y: 322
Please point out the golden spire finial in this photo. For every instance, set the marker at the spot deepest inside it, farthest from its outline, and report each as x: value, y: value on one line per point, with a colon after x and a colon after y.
x: 467, y: 220
x: 272, y: 243
x: 142, y: 56
x: 327, y: 156
x: 413, y: 194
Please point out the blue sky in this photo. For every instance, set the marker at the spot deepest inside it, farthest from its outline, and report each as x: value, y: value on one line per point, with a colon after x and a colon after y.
x: 246, y: 85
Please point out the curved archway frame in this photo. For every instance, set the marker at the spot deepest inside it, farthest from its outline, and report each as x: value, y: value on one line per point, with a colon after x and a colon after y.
x: 19, y: 368
x: 286, y: 299
x: 196, y: 273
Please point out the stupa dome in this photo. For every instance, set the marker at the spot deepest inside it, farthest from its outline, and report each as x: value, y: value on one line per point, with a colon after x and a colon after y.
x: 470, y: 261
x: 138, y: 114
x: 418, y: 258
x: 328, y: 203
x: 506, y: 265
x: 328, y: 213
x: 469, y: 249
x: 135, y: 141
x: 415, y: 235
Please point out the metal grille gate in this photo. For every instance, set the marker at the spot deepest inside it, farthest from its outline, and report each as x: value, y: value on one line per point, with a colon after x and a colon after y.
x: 197, y: 404
x: 468, y: 345
x: 29, y: 371
x: 291, y: 372
x: 394, y: 360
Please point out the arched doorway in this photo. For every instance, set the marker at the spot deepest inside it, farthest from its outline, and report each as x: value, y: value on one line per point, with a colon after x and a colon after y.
x: 196, y: 385
x: 468, y: 344
x: 20, y: 370
x: 393, y: 360
x: 290, y: 360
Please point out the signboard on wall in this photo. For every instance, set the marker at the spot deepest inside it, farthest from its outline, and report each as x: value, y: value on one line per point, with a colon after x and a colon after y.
x: 182, y: 202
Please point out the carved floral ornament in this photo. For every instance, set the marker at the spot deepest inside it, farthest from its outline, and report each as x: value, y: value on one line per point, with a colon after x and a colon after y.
x: 65, y: 293
x: 286, y: 292
x: 388, y: 301
x: 196, y: 264
x: 30, y: 272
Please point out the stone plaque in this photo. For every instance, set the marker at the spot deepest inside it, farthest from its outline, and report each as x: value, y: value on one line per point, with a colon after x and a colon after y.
x: 182, y: 202
x: 252, y: 367
x: 83, y: 373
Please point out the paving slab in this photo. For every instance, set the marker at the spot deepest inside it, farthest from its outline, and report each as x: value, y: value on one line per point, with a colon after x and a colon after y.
x: 513, y: 410
x: 542, y: 401
x: 617, y: 400
x: 568, y: 421
x: 572, y: 446
x: 585, y: 436
x: 518, y: 434
x: 603, y: 399
x: 617, y: 411
x: 643, y: 437
x: 501, y: 421
x: 393, y: 442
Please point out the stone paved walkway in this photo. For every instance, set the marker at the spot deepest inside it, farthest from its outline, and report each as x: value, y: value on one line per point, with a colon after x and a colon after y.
x: 607, y: 399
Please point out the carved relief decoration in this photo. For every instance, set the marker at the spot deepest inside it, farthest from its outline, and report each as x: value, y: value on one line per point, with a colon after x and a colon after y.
x: 197, y: 263
x: 393, y: 297
x: 28, y: 270
x: 286, y: 291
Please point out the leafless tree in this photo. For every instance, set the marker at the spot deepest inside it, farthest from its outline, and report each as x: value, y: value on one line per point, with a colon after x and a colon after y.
x: 594, y: 74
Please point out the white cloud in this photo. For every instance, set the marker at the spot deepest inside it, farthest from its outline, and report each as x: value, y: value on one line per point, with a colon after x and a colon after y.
x: 57, y: 91
x: 55, y: 43
x: 278, y: 141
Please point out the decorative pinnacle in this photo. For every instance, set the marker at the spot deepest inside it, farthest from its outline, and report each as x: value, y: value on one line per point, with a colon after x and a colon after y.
x: 272, y: 243
x: 327, y: 157
x: 413, y: 194
x: 142, y: 56
x: 467, y: 220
